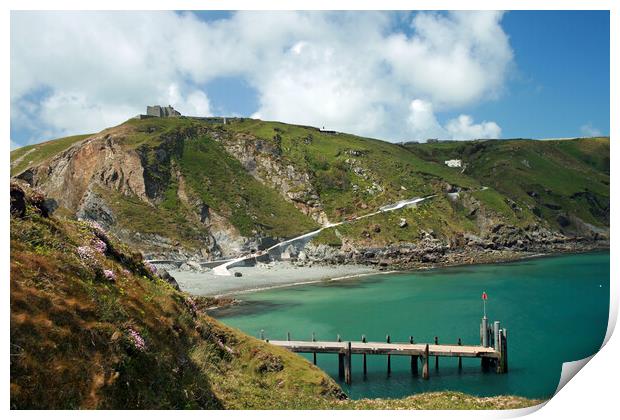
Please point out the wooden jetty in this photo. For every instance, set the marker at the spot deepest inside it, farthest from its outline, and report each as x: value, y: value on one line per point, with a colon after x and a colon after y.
x: 492, y: 350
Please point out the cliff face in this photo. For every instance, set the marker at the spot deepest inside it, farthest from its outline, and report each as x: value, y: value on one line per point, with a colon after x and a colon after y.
x: 69, y: 176
x: 183, y: 187
x: 171, y: 172
x: 263, y: 160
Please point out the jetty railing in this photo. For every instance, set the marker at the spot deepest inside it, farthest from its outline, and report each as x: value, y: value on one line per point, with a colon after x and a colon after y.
x: 492, y: 351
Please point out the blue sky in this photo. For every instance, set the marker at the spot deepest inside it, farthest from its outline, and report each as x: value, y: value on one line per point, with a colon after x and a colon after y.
x: 397, y: 76
x: 561, y: 79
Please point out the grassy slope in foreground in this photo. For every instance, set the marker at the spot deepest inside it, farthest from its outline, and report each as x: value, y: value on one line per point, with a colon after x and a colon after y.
x: 73, y: 339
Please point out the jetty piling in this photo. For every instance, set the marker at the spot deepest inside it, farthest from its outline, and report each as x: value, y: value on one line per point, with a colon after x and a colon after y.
x: 340, y: 360
x: 314, y: 353
x: 364, y: 356
x: 389, y: 357
x: 347, y: 364
x: 436, y: 357
x: 414, y: 360
x: 460, y: 358
x: 425, y: 374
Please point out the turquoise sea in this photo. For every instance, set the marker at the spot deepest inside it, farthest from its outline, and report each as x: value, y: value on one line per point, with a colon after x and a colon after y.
x: 554, y: 308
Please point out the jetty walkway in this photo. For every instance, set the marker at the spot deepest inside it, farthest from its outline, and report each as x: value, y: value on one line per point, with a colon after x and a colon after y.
x: 492, y: 351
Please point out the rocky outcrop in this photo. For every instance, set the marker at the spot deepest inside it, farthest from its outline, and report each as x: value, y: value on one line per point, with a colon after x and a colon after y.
x: 167, y: 277
x: 94, y: 207
x: 68, y: 176
x: 263, y: 160
x: 506, y: 243
x: 81, y: 178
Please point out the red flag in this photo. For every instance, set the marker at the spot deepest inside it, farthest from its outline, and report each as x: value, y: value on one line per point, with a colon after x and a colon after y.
x: 484, y: 296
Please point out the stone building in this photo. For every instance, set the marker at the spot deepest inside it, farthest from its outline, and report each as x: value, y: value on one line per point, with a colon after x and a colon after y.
x: 161, y: 111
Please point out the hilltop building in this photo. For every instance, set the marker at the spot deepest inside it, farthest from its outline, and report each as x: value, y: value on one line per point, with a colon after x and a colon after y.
x: 158, y: 111
x: 161, y: 111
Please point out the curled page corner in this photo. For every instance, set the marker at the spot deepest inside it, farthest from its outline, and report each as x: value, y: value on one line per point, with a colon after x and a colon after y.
x: 516, y: 412
x: 570, y: 369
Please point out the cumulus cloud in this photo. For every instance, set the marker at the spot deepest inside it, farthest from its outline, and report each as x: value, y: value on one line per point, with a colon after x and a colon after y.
x: 92, y: 70
x: 424, y: 125
x: 452, y: 59
x: 350, y: 71
x: 464, y: 128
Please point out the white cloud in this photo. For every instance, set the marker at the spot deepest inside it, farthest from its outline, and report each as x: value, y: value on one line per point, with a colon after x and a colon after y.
x: 422, y: 122
x: 352, y: 71
x: 464, y: 128
x: 424, y: 125
x: 453, y: 59
x: 588, y: 131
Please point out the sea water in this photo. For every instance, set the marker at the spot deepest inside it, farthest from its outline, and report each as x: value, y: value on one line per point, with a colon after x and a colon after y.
x: 555, y: 310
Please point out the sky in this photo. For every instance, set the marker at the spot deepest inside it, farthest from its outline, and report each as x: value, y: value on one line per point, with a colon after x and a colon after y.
x: 397, y: 76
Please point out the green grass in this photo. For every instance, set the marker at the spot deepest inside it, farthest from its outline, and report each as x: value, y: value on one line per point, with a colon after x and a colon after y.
x: 399, y: 173
x: 439, y: 215
x: 530, y: 182
x: 548, y: 177
x: 222, y: 183
x: 37, y: 153
x: 443, y: 401
x: 170, y: 219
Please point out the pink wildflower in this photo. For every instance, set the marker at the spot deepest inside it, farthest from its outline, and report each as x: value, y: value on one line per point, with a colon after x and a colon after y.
x: 126, y: 272
x: 150, y: 267
x: 136, y: 339
x: 191, y: 304
x: 86, y: 253
x: 96, y: 227
x: 99, y: 246
x: 109, y: 274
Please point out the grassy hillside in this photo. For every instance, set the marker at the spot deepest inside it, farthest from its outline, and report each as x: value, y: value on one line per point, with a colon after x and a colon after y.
x: 93, y: 327
x: 554, y: 179
x: 253, y: 179
x: 227, y: 187
x: 31, y: 155
x: 102, y: 331
x: 186, y: 168
x: 345, y: 167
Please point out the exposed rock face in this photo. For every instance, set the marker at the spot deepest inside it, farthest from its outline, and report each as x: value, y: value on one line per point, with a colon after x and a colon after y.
x: 22, y: 195
x: 78, y: 178
x: 68, y: 176
x: 18, y: 201
x: 93, y: 207
x: 506, y: 243
x: 263, y: 160
x: 164, y: 275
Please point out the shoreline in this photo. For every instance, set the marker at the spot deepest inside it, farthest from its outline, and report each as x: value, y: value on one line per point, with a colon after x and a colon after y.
x: 367, y: 271
x: 306, y: 282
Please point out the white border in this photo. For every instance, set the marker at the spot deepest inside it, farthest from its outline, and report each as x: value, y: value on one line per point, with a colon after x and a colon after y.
x: 591, y: 394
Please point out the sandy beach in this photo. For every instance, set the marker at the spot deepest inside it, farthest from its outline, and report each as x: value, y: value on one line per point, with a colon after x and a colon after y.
x: 281, y: 274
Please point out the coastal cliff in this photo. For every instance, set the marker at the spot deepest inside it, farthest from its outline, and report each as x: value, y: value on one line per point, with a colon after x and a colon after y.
x: 191, y: 189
